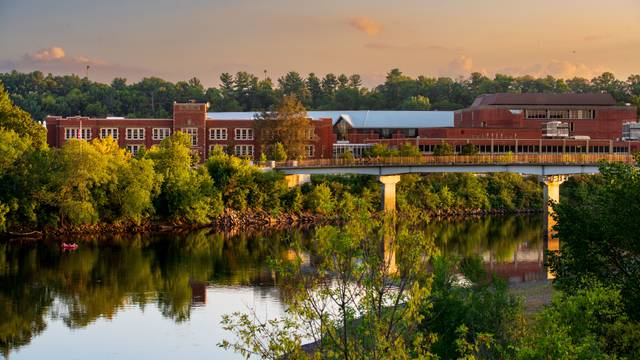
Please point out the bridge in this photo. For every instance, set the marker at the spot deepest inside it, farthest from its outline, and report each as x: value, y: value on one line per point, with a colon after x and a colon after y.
x: 552, y: 169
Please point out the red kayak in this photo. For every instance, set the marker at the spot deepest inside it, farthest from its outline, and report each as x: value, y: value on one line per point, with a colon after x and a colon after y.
x: 66, y: 246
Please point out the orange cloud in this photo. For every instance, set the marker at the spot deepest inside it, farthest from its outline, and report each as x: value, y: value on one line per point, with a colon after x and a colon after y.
x: 52, y: 53
x: 366, y: 25
x: 562, y: 69
x: 56, y: 54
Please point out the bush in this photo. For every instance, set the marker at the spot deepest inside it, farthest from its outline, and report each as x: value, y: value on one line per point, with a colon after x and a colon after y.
x: 443, y: 149
x: 469, y: 149
x: 320, y: 200
x: 591, y: 324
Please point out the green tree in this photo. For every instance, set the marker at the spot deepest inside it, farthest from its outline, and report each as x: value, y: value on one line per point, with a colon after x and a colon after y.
x: 83, y: 170
x: 590, y: 324
x: 347, y: 305
x: 380, y: 150
x: 481, y: 304
x: 287, y: 125
x: 469, y: 149
x: 278, y: 152
x: 320, y: 200
x: 408, y: 149
x: 18, y: 120
x: 418, y: 102
x: 598, y: 239
x: 443, y: 149
x: 187, y: 193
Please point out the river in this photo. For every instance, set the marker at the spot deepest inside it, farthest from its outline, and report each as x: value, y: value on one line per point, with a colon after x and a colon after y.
x: 162, y: 296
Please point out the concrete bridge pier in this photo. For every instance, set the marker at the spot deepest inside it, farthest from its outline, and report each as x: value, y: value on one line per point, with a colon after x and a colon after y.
x: 551, y: 192
x: 297, y: 179
x: 388, y: 203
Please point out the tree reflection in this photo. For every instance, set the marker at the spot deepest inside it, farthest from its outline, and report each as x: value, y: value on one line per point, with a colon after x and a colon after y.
x: 171, y: 271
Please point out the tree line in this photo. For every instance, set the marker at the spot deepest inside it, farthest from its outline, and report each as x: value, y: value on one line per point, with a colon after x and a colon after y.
x: 152, y: 97
x: 99, y: 182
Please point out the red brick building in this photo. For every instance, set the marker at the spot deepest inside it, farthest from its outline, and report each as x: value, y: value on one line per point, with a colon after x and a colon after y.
x: 233, y: 131
x: 495, y: 123
x: 498, y: 123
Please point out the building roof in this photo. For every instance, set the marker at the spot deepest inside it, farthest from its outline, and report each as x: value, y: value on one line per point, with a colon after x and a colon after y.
x: 364, y: 119
x: 594, y: 99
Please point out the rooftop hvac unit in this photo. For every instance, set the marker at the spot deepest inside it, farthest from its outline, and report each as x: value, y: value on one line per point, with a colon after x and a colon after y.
x: 555, y: 129
x: 630, y: 131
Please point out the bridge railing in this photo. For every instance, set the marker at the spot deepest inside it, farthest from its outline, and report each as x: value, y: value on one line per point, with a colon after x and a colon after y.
x: 481, y: 159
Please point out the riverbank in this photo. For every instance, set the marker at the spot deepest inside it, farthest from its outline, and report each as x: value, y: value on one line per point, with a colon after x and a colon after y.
x: 249, y: 220
x: 535, y: 294
x: 246, y: 220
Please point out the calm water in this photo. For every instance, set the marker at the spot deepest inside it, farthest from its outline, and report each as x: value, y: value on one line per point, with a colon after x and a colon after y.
x: 162, y: 296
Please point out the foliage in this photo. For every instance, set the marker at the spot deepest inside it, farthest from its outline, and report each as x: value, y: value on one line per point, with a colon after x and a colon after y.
x: 418, y: 102
x: 599, y: 237
x: 70, y: 95
x: 348, y: 157
x: 467, y: 191
x: 473, y: 316
x: 279, y: 153
x: 469, y: 149
x: 407, y: 149
x: 187, y: 193
x: 243, y: 186
x: 286, y: 126
x: 443, y: 149
x: 346, y: 304
x: 380, y: 150
x: 590, y: 324
x: 14, y: 118
x: 320, y: 200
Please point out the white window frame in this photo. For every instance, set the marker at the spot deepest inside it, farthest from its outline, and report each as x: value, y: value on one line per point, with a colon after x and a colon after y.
x: 134, y: 148
x: 536, y: 114
x: 72, y: 133
x: 106, y: 132
x: 310, y: 151
x: 193, y: 132
x: 160, y: 133
x: 310, y: 133
x: 244, y: 134
x: 243, y: 150
x: 218, y: 134
x: 135, y: 134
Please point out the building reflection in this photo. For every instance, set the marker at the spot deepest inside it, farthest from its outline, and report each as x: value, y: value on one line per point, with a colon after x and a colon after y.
x: 198, y: 293
x: 526, y: 264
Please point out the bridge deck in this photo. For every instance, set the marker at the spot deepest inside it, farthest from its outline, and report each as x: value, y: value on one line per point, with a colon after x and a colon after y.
x: 534, y: 164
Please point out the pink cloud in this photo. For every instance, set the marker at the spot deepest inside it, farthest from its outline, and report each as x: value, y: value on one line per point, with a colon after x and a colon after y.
x: 56, y: 59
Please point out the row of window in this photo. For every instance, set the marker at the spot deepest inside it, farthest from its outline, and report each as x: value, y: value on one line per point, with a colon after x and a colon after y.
x: 559, y: 114
x: 239, y: 150
x: 159, y: 133
x: 487, y: 149
x: 309, y: 133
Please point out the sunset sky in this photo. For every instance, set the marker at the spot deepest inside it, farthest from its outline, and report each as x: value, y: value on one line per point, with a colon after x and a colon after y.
x: 177, y: 40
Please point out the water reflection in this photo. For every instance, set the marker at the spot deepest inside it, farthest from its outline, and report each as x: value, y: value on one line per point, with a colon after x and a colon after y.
x: 161, y: 281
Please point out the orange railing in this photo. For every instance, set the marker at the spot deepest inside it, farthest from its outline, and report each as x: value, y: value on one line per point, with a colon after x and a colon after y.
x: 532, y: 159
